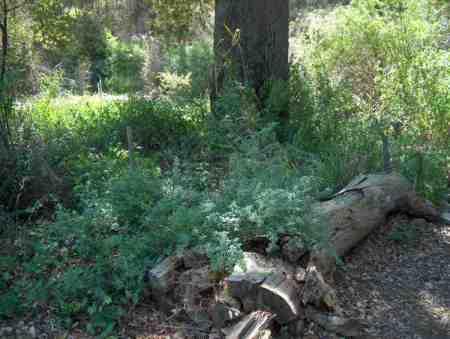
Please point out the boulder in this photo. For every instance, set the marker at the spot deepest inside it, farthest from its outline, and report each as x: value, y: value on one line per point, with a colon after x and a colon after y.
x: 253, y: 326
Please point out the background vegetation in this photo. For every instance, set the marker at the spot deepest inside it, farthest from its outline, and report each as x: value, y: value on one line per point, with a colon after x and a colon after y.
x: 82, y: 218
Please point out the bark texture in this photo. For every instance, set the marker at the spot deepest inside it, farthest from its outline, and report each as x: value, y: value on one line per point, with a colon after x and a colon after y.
x: 251, y: 42
x: 362, y: 206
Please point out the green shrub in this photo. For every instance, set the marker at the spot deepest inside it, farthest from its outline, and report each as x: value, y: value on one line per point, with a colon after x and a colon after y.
x: 369, y: 69
x: 125, y: 62
x: 90, y: 262
x: 194, y: 61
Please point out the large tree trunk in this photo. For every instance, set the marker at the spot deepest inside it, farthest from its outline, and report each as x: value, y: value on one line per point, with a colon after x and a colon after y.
x: 251, y: 42
x: 363, y: 205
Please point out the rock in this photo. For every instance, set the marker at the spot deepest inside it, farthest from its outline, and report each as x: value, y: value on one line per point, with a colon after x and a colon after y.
x: 293, y: 249
x: 253, y: 326
x: 300, y: 274
x: 195, y: 258
x: 340, y: 325
x: 266, y: 285
x: 162, y: 278
x: 222, y: 314
x: 317, y: 292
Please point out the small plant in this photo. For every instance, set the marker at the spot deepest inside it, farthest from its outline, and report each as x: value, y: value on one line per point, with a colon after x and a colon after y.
x: 404, y: 233
x: 224, y: 253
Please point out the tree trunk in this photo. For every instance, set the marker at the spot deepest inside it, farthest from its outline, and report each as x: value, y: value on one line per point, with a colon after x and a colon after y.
x: 363, y: 205
x: 251, y: 42
x: 5, y: 42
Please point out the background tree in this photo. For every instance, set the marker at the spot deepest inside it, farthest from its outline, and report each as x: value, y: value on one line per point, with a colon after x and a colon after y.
x: 251, y: 42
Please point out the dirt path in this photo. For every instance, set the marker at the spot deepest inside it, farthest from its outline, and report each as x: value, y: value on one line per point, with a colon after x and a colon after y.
x: 400, y: 288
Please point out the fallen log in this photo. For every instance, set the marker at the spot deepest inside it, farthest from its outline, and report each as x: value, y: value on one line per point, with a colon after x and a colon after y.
x: 363, y: 205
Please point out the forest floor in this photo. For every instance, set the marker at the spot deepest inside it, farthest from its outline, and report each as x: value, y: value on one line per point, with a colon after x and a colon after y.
x: 397, y: 282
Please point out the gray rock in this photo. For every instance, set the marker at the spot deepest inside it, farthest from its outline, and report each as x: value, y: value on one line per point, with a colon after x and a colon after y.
x: 253, y: 326
x: 333, y: 323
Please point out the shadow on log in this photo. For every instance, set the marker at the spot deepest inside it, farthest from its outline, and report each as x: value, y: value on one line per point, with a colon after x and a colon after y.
x: 363, y: 205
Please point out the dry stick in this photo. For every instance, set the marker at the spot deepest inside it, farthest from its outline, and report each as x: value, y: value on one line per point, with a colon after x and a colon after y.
x: 387, y: 159
x: 130, y: 147
x: 419, y: 184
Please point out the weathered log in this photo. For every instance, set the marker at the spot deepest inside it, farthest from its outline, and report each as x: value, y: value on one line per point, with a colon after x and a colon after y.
x: 362, y: 206
x: 251, y: 327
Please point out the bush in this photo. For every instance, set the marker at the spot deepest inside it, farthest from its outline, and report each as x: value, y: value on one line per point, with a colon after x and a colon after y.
x: 191, y: 61
x: 90, y: 262
x: 125, y: 62
x: 370, y: 69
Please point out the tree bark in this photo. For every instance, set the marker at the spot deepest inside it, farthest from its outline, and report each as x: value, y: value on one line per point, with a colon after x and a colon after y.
x: 363, y: 205
x: 5, y: 42
x: 251, y: 42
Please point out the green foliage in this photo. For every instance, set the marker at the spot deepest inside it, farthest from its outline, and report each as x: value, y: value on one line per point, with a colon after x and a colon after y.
x: 192, y: 61
x: 404, y: 233
x: 224, y: 252
x: 75, y: 125
x: 90, y: 262
x: 374, y: 68
x: 125, y: 63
